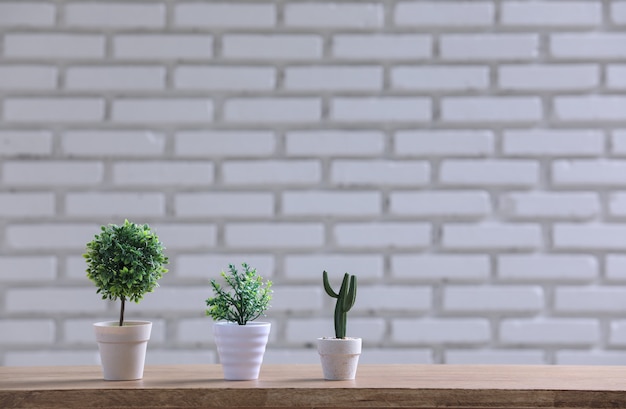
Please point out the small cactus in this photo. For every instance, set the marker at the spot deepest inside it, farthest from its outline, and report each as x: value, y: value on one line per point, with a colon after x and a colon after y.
x: 345, y: 300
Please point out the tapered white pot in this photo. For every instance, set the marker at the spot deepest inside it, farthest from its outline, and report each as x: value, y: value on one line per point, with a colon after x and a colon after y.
x: 122, y: 349
x: 340, y: 357
x: 241, y: 348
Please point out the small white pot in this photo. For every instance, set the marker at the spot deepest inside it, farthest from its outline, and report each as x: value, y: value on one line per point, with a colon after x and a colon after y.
x: 122, y: 349
x: 340, y: 357
x: 241, y: 348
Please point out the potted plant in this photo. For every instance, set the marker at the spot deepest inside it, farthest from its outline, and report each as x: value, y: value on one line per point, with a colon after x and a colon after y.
x: 124, y: 262
x: 340, y: 355
x: 240, y: 342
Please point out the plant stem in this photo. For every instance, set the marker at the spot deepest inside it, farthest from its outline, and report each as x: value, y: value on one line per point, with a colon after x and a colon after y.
x: 122, y: 311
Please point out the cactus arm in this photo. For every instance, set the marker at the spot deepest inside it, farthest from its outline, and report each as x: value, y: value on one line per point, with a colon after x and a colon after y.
x: 327, y: 287
x: 348, y: 301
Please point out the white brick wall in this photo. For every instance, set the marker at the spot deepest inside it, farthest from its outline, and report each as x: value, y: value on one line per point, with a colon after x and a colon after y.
x: 466, y: 159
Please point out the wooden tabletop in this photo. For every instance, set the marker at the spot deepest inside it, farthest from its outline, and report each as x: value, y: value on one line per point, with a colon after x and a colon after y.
x: 301, y: 386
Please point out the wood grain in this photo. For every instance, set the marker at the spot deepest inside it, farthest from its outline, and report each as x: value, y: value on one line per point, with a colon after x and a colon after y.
x: 302, y: 386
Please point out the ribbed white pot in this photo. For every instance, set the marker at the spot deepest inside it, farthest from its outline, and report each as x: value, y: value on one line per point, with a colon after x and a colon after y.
x: 241, y: 348
x: 122, y: 349
x: 340, y: 357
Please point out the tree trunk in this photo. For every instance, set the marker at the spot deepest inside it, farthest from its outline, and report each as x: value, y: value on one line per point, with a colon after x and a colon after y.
x: 122, y: 312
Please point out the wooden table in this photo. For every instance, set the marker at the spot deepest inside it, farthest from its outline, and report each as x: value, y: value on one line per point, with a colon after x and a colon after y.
x: 302, y: 386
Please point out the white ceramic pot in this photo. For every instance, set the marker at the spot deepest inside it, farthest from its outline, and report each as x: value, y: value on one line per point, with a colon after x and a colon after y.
x: 122, y: 349
x: 340, y: 357
x: 241, y: 348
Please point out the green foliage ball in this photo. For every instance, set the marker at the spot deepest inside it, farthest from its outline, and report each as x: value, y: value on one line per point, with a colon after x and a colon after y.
x: 125, y: 261
x: 247, y: 299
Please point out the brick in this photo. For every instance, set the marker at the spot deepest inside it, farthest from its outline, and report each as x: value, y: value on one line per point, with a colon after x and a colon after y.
x: 24, y: 143
x: 26, y: 332
x: 268, y: 110
x: 382, y: 46
x: 224, y: 204
x: 549, y: 77
x: 448, y: 14
x: 618, y: 12
x: 121, y: 15
x: 272, y: 47
x: 615, y: 267
x: 553, y: 142
x: 192, y: 236
x: 27, y: 77
x: 162, y: 46
x: 273, y: 172
x: 589, y: 357
x: 550, y: 331
x: 493, y: 236
x: 444, y: 143
x: 404, y: 298
x: 331, y: 14
x: 588, y: 172
x: 331, y: 203
x: 225, y: 78
x: 501, y: 299
x: 440, y: 78
x: 380, y: 172
x: 383, y: 235
x: 115, y: 78
x: 494, y: 357
x: 592, y: 299
x: 496, y: 172
x: 617, y: 333
x: 115, y: 143
x: 52, y: 301
x: 27, y: 269
x: 54, y: 46
x: 291, y: 356
x: 272, y: 236
x: 553, y: 205
x: 180, y: 357
x: 75, y: 267
x: 491, y: 109
x: 110, y: 204
x: 440, y: 330
x: 224, y: 143
x: 309, y: 267
x: 51, y: 358
x: 332, y: 78
x: 440, y: 267
x: 27, y: 204
x: 297, y: 298
x: 306, y: 331
x: 616, y: 76
x: 46, y: 236
x: 589, y: 236
x: 551, y: 14
x: 381, y: 109
x: 33, y: 109
x: 592, y: 108
x: 206, y: 266
x: 498, y: 46
x: 162, y: 110
x: 547, y: 267
x: 440, y: 203
x: 617, y: 204
x: 20, y: 14
x: 195, y: 330
x: 588, y: 46
x: 159, y: 173
x: 176, y: 299
x: 245, y: 15
x: 334, y: 142
x: 57, y: 173
x: 618, y: 142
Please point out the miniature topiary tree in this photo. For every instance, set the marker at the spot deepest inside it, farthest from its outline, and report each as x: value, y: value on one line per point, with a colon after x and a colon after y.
x: 345, y: 300
x: 125, y: 262
x: 248, y: 298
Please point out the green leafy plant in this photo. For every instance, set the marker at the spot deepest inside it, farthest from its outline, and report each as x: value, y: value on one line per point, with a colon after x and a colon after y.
x: 125, y: 262
x: 345, y: 300
x: 247, y: 299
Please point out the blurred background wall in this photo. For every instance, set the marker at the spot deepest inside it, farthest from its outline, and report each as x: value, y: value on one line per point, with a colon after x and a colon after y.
x: 466, y: 159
